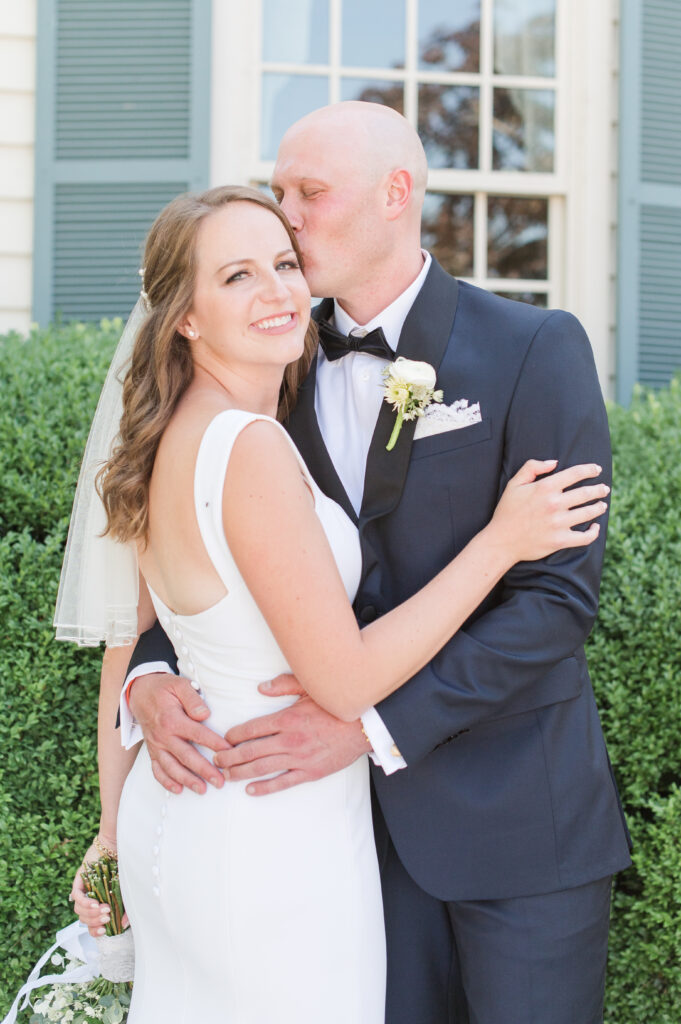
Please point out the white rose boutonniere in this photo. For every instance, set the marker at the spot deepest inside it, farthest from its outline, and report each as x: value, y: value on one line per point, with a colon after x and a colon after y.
x: 409, y: 388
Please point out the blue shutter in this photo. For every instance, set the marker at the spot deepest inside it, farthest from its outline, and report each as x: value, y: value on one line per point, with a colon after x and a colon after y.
x: 123, y: 96
x: 649, y: 250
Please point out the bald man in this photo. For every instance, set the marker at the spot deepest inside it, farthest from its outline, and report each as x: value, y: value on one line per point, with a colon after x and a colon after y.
x: 497, y: 821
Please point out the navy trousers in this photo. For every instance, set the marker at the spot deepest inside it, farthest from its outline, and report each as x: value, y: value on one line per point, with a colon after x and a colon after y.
x: 530, y: 960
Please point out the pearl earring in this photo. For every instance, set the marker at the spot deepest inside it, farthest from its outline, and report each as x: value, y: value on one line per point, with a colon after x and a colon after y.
x: 191, y: 333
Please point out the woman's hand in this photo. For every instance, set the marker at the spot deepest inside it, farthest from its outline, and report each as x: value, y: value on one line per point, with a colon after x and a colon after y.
x: 534, y: 517
x: 93, y: 914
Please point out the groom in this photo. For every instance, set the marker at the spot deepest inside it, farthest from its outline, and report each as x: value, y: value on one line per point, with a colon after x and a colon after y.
x: 497, y: 820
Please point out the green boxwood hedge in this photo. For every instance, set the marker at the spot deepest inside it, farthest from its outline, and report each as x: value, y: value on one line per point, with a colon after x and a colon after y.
x: 48, y: 780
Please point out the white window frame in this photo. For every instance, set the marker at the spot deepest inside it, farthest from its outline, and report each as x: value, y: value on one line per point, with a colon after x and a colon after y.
x: 580, y: 228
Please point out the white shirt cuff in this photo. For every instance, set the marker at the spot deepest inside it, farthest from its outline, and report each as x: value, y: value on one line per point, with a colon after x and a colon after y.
x: 131, y: 731
x: 385, y: 753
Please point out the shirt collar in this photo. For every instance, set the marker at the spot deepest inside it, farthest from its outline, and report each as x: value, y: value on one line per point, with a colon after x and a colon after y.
x: 392, y: 318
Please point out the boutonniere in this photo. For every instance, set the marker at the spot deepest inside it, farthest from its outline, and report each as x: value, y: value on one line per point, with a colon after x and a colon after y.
x: 409, y: 388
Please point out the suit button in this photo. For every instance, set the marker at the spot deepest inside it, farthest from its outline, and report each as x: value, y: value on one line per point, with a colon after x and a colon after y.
x: 368, y: 613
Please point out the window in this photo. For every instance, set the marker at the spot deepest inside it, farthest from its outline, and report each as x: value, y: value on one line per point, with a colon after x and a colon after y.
x: 480, y: 83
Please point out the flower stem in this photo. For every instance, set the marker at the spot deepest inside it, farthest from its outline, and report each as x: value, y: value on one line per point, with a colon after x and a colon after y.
x: 396, y: 432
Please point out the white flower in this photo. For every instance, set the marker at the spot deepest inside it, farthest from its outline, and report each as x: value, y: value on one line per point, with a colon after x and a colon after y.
x: 413, y: 372
x: 409, y: 388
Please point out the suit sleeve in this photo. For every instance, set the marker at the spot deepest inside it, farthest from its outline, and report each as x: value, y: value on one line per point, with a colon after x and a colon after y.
x: 513, y: 657
x: 154, y: 645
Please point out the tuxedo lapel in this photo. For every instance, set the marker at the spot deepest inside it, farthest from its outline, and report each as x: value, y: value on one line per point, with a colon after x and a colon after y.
x: 425, y: 336
x: 303, y: 426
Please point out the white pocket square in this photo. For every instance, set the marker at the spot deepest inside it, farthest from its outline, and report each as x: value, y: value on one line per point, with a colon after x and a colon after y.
x: 437, y: 418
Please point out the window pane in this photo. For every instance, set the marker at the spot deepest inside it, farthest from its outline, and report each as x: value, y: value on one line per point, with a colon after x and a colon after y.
x: 532, y: 298
x: 524, y: 37
x: 517, y: 231
x: 447, y: 231
x: 448, y: 125
x: 285, y: 98
x: 296, y: 32
x: 523, y: 134
x: 449, y: 40
x: 390, y: 94
x: 373, y: 34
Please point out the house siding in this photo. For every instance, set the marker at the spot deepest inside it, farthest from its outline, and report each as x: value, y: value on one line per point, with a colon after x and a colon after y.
x: 17, y: 142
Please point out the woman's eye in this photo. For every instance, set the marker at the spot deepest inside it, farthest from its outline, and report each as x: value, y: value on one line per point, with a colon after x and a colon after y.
x: 236, y: 277
x: 288, y: 265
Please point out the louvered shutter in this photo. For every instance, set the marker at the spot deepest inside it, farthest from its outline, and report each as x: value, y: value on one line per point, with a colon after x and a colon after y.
x: 649, y: 249
x: 123, y: 95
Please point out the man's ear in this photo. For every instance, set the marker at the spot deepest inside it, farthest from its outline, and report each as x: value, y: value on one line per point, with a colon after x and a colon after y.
x: 399, y: 189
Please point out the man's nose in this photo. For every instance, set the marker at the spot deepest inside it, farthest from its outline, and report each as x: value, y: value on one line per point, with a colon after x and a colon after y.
x: 291, y: 211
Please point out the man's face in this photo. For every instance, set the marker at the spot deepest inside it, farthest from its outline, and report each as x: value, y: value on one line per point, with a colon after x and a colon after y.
x: 333, y: 205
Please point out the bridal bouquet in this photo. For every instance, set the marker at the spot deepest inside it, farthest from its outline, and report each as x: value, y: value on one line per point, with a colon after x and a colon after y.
x: 84, y: 1003
x: 96, y: 981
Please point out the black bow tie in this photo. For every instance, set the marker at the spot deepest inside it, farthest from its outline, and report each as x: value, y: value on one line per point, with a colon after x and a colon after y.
x: 337, y: 345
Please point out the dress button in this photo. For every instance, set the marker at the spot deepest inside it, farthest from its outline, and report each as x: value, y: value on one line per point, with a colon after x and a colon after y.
x: 177, y: 631
x: 159, y: 830
x: 156, y: 891
x: 165, y: 619
x: 190, y: 666
x: 164, y: 811
x: 368, y: 613
x: 154, y: 870
x: 184, y: 649
x: 155, y: 851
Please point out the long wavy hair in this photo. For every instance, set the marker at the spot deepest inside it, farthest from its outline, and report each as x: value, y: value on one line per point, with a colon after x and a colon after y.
x: 161, y: 367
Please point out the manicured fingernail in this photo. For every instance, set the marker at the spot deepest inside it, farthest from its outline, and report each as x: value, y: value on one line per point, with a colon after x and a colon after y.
x: 598, y: 469
x: 267, y: 685
x: 250, y: 790
x: 101, y: 931
x: 607, y: 489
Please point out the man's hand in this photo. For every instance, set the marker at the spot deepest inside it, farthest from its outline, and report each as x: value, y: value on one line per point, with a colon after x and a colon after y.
x: 303, y: 742
x: 170, y: 711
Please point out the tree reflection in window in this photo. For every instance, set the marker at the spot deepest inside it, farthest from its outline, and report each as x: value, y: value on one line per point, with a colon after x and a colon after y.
x: 447, y: 231
x: 517, y: 233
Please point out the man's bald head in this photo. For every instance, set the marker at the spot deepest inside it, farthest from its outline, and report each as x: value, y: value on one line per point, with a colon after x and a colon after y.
x: 374, y: 136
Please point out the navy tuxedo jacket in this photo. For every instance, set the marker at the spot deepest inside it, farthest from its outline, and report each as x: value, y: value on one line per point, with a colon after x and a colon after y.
x: 508, y: 789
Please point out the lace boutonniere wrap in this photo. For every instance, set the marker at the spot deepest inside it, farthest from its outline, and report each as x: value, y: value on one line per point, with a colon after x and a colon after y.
x: 409, y: 388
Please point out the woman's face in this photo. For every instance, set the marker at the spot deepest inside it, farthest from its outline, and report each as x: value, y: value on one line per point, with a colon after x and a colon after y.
x: 251, y: 303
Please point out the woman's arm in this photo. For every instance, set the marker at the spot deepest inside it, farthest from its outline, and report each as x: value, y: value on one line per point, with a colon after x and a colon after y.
x: 114, y: 761
x: 281, y: 550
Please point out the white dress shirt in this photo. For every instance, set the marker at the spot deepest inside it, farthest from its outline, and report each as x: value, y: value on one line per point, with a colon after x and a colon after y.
x: 348, y: 397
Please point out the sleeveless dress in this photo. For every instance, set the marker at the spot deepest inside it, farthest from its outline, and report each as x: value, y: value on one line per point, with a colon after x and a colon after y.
x: 250, y: 910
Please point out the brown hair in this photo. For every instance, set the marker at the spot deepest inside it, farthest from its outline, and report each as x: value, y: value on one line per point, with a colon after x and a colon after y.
x: 161, y: 367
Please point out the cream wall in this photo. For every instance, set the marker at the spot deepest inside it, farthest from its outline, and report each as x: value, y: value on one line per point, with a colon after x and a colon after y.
x: 17, y: 134
x: 591, y: 183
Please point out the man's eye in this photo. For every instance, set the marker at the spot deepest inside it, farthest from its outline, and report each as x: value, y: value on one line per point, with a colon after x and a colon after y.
x: 310, y: 193
x: 288, y: 265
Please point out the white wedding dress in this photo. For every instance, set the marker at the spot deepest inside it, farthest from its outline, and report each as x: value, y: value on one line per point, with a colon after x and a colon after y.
x: 250, y: 910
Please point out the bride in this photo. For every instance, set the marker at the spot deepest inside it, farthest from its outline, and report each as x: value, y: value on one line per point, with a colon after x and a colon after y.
x: 252, y: 571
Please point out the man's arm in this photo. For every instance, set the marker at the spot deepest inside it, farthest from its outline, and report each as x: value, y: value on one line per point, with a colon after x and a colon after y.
x: 169, y: 712
x: 502, y: 663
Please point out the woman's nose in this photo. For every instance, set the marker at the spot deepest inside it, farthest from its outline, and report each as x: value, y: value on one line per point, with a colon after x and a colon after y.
x: 274, y: 288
